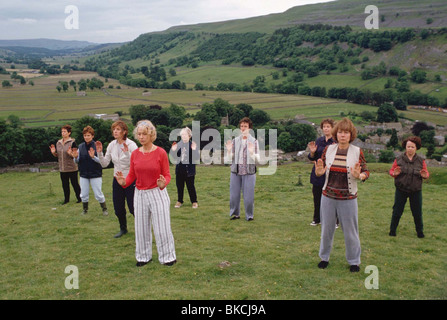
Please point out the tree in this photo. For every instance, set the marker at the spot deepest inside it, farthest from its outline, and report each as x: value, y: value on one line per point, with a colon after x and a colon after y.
x: 418, y: 76
x: 6, y: 84
x: 285, y: 142
x: 386, y: 113
x: 301, y: 135
x: 394, y: 141
x: 386, y: 156
x: 259, y: 117
x: 420, y: 126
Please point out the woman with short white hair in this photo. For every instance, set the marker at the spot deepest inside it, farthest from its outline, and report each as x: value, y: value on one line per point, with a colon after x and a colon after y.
x: 184, y: 152
x: 149, y: 168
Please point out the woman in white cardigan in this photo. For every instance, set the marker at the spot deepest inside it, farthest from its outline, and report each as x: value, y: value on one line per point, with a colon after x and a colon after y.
x: 119, y: 151
x: 344, y: 165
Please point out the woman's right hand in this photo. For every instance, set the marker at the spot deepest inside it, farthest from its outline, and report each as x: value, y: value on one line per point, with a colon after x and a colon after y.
x: 397, y: 171
x: 98, y: 146
x: 312, y: 147
x: 120, y: 178
x: 53, y: 149
x: 229, y: 145
x: 320, y: 168
x: 174, y: 146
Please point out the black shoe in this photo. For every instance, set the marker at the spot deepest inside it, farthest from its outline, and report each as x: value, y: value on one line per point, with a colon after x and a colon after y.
x: 234, y: 217
x: 392, y: 233
x: 142, y: 263
x: 354, y: 268
x: 65, y: 202
x: 170, y: 263
x: 421, y: 235
x: 79, y: 201
x: 121, y: 233
x: 250, y: 219
x: 323, y: 264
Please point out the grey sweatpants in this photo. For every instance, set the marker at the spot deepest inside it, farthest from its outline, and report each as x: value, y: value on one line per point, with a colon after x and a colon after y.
x: 246, y: 184
x: 152, y: 208
x: 347, y: 213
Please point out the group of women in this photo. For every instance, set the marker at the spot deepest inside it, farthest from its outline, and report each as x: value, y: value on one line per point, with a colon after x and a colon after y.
x: 141, y: 175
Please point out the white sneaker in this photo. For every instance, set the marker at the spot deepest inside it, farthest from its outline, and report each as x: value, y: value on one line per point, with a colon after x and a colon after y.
x: 178, y: 205
x: 313, y: 223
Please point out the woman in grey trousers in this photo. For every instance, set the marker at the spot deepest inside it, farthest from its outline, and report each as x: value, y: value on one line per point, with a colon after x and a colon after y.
x: 243, y: 150
x: 344, y: 165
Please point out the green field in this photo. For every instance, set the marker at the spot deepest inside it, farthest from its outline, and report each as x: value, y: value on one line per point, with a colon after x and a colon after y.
x: 274, y: 257
x: 43, y: 105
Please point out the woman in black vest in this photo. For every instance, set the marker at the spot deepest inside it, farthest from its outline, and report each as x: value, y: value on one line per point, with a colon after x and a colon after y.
x: 408, y: 171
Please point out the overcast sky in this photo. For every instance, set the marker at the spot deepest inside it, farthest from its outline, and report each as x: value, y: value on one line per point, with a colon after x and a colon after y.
x: 103, y: 21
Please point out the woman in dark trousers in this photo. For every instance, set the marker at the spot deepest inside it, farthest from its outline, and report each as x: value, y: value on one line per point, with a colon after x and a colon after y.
x: 185, y: 170
x: 119, y: 151
x: 67, y: 168
x: 316, y: 149
x: 408, y: 171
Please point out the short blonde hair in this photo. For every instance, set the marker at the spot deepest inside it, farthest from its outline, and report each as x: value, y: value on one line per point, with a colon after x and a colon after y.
x: 148, y: 127
x: 344, y: 124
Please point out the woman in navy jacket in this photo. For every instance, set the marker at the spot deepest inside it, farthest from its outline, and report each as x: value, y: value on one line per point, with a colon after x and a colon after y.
x: 316, y: 150
x: 185, y: 171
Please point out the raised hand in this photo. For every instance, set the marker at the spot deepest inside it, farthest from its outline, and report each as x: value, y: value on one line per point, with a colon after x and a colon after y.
x: 251, y: 147
x: 193, y: 145
x: 161, y: 182
x: 397, y: 171
x: 120, y: 178
x: 125, y: 147
x: 229, y: 145
x: 174, y: 146
x: 320, y: 168
x: 356, y: 171
x: 53, y: 149
x: 424, y: 173
x: 312, y: 147
x: 73, y: 152
x: 98, y: 146
x: 91, y: 152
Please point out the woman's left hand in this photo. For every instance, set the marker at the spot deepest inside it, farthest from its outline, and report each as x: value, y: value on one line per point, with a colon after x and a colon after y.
x: 161, y: 182
x: 424, y: 174
x: 356, y: 171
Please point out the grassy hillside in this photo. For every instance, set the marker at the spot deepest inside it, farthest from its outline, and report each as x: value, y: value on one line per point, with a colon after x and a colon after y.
x: 274, y: 257
x: 397, y: 14
x: 324, y: 45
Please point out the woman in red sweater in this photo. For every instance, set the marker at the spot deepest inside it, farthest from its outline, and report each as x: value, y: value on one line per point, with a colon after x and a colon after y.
x: 149, y: 168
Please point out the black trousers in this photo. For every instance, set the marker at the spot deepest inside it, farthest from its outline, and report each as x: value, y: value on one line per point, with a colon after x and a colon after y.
x: 317, y: 192
x: 66, y: 178
x: 400, y: 199
x: 181, y: 178
x: 120, y: 197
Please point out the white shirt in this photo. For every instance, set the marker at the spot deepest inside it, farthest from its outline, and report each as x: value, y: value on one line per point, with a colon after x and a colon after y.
x: 120, y: 159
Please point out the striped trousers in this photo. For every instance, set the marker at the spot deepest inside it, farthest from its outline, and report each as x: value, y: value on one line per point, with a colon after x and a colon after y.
x: 152, y: 209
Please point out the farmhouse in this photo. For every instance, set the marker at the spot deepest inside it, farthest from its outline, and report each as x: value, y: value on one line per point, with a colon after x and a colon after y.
x: 105, y: 116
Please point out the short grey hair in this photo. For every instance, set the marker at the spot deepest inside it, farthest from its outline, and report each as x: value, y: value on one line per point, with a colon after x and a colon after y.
x: 186, y: 130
